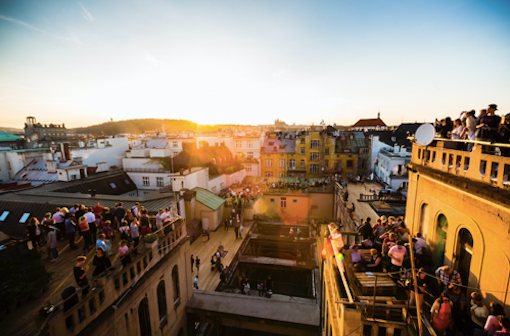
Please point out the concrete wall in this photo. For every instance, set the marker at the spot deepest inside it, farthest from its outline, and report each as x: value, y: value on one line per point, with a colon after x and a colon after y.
x: 215, y: 217
x: 376, y: 146
x: 112, y: 155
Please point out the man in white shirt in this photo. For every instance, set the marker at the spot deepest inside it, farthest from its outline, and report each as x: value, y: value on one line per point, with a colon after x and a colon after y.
x: 397, y: 254
x: 58, y: 221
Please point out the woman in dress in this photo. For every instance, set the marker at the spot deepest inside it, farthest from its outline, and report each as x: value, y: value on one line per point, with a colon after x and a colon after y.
x: 441, y: 313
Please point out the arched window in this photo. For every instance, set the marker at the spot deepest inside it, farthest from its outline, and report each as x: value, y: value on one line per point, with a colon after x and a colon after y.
x: 424, y: 219
x: 144, y: 318
x: 464, y: 252
x: 161, y: 299
x: 442, y: 229
x: 175, y: 282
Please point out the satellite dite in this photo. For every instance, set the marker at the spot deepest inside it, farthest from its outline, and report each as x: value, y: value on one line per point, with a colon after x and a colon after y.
x: 425, y: 134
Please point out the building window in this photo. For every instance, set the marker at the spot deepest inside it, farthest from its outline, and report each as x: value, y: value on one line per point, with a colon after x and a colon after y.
x: 302, y: 163
x: 364, y: 150
x: 175, y: 144
x: 314, y: 144
x: 302, y: 150
x: 326, y: 151
x: 247, y: 167
x: 269, y: 174
x: 249, y: 144
x: 314, y: 156
x: 24, y: 218
x: 213, y: 189
x: 302, y: 140
x: 4, y: 216
x: 249, y: 155
x: 145, y: 181
x: 349, y: 164
x: 161, y: 299
x: 269, y: 163
x: 175, y: 282
x: 314, y: 169
x: 113, y: 185
x: 283, y: 202
x: 239, y: 144
x: 282, y: 163
x: 159, y: 181
x: 363, y: 164
x: 144, y: 318
x: 282, y: 174
x: 326, y: 163
x: 271, y: 200
x: 292, y: 164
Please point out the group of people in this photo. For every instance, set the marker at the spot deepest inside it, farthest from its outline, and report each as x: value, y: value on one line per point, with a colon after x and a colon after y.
x: 390, y: 245
x: 264, y: 288
x: 484, y: 126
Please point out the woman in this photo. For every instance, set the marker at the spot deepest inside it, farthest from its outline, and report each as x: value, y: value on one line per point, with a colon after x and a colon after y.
x: 389, y: 242
x: 496, y: 313
x: 457, y: 130
x: 375, y: 263
x: 34, y: 232
x: 101, y: 262
x: 441, y: 313
x: 403, y: 232
x: 128, y: 217
x: 124, y: 230
x: 107, y: 216
x: 107, y: 230
x: 85, y: 232
x: 159, y: 219
x: 420, y: 282
x: 124, y: 252
x: 145, y: 223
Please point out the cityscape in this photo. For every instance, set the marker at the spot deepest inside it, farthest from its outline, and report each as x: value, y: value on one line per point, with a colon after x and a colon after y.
x: 254, y: 168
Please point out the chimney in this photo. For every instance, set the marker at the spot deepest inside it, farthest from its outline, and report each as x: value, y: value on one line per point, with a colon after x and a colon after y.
x: 52, y: 166
x: 63, y: 153
x: 67, y: 151
x: 395, y: 148
x: 403, y: 151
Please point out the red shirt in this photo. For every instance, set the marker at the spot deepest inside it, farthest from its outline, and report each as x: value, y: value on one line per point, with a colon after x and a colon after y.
x: 97, y: 211
x: 84, y: 226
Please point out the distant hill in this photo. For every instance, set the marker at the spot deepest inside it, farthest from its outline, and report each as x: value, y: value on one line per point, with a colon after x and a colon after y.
x: 11, y: 130
x: 137, y: 126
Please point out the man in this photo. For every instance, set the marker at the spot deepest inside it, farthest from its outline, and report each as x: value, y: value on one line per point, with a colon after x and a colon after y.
x: 357, y: 258
x: 379, y: 239
x: 118, y: 213
x: 101, y: 242
x: 192, y: 263
x: 195, y: 282
x: 489, y: 124
x: 91, y: 220
x: 447, y: 278
x: 366, y: 230
x: 51, y: 244
x: 459, y: 302
x: 74, y: 209
x: 479, y: 314
x: 225, y: 224
x: 59, y: 222
x: 197, y: 264
x: 397, y: 254
x: 80, y: 275
x: 71, y: 231
x: 134, y: 209
x: 420, y: 242
x: 98, y: 210
x: 504, y: 135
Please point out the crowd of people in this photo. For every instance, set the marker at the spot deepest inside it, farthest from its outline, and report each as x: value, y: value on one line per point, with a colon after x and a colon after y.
x: 484, y: 126
x: 98, y: 226
x: 390, y: 245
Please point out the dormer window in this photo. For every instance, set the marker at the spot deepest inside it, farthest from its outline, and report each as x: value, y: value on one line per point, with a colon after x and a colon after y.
x: 4, y: 216
x: 24, y: 218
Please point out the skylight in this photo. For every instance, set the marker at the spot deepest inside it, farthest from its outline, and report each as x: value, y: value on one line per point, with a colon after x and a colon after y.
x: 24, y: 218
x: 4, y: 216
x: 113, y: 185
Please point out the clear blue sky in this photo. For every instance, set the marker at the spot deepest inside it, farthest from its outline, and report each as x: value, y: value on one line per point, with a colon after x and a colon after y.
x: 250, y: 62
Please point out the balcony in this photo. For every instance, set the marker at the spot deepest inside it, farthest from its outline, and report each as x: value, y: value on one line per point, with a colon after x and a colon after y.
x: 483, y: 164
x: 72, y: 316
x: 147, y: 170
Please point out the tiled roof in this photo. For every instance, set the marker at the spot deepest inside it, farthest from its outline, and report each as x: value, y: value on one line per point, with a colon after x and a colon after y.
x: 36, y: 172
x: 6, y: 136
x: 344, y: 142
x: 208, y: 199
x: 369, y: 123
x: 283, y: 142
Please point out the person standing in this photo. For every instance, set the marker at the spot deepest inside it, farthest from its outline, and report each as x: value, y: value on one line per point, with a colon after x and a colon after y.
x: 192, y: 263
x: 225, y: 225
x: 420, y: 282
x: 71, y: 231
x: 85, y: 233
x: 91, y: 220
x: 195, y: 282
x: 397, y: 254
x: 197, y: 264
x: 133, y: 230
x: 489, y: 124
x: 118, y: 214
x: 145, y: 224
x: 479, y: 314
x: 108, y: 233
x: 101, y: 261
x: 34, y: 232
x: 236, y: 230
x: 59, y: 222
x: 80, y: 275
x: 458, y: 304
x: 269, y: 286
x: 98, y: 211
x: 441, y: 312
x: 124, y: 251
x: 241, y: 228
x: 51, y: 244
x: 159, y: 219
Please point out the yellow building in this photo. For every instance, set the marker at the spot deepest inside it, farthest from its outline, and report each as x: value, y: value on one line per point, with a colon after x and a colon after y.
x: 278, y: 149
x: 460, y: 202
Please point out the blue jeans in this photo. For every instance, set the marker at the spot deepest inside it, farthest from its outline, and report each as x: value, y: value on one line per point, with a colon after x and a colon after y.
x: 54, y: 252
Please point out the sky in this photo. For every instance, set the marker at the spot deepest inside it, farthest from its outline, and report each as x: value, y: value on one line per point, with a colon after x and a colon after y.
x: 250, y: 62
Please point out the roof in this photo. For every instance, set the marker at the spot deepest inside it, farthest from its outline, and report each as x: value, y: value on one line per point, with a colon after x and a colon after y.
x: 208, y: 199
x: 369, y: 123
x: 399, y: 136
x: 6, y: 136
x: 281, y: 142
x: 114, y: 185
x: 153, y: 143
x: 350, y: 142
x: 11, y: 225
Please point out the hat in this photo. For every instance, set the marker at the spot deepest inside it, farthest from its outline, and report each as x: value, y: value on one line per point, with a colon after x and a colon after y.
x: 494, y: 106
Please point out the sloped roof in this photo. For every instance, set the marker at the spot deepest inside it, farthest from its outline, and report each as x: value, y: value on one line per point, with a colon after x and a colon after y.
x: 283, y: 142
x: 6, y: 136
x: 11, y: 225
x: 208, y: 199
x: 113, y: 185
x: 344, y: 143
x: 37, y: 173
x: 369, y: 123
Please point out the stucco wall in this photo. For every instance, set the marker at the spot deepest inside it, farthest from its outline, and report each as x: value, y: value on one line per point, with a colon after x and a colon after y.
x: 112, y: 155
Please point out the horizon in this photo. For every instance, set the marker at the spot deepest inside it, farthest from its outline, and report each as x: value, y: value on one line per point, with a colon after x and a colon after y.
x: 250, y: 63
